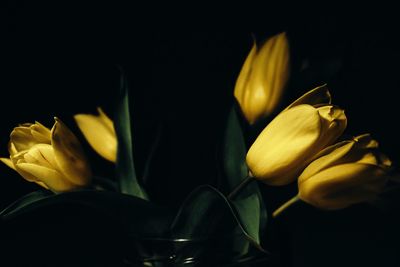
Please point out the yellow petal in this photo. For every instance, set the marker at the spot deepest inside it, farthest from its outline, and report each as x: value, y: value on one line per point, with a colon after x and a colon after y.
x: 26, y: 175
x: 22, y: 138
x: 368, y: 158
x: 278, y: 66
x: 333, y: 121
x: 8, y: 162
x: 316, y: 96
x: 106, y: 121
x: 332, y: 157
x: 69, y: 154
x: 41, y: 154
x: 11, y: 148
x: 270, y: 72
x: 52, y: 178
x: 244, y: 75
x: 40, y: 133
x: 42, y: 184
x: 99, y: 134
x: 284, y: 145
x: 366, y: 141
x: 342, y: 185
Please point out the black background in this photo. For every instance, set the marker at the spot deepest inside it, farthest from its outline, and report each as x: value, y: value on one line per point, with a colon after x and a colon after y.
x: 60, y: 59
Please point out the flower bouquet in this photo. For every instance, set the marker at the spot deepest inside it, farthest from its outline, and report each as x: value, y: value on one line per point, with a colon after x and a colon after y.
x: 221, y: 224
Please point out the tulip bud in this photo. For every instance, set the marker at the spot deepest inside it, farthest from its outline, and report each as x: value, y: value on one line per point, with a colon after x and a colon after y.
x: 346, y: 173
x: 51, y: 158
x: 260, y: 84
x: 290, y: 141
x: 100, y: 133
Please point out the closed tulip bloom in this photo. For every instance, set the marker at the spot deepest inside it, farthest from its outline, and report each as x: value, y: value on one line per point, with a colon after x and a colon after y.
x: 52, y: 158
x: 100, y: 133
x: 261, y: 82
x: 290, y: 141
x: 344, y: 174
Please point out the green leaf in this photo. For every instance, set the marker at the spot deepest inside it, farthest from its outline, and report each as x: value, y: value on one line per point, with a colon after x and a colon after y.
x: 24, y: 202
x: 126, y: 173
x: 248, y: 210
x: 142, y: 218
x: 201, y: 214
x: 234, y: 151
x: 249, y: 203
x: 207, y: 213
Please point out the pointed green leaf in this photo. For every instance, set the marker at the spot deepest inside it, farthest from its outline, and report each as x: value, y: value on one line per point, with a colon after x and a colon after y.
x: 25, y: 201
x: 207, y: 213
x: 142, y: 218
x: 234, y: 151
x: 248, y: 210
x: 249, y: 204
x: 126, y: 173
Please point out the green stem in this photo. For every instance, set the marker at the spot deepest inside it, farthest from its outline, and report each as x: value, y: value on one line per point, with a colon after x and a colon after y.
x: 286, y: 205
x: 239, y: 187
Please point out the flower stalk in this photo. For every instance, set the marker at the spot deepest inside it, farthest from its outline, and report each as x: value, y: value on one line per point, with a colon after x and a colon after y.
x: 286, y: 205
x: 240, y: 187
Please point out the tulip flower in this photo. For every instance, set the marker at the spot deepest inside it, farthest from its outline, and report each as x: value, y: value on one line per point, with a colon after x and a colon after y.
x: 100, y: 133
x: 52, y: 158
x: 290, y: 141
x: 261, y: 82
x: 344, y: 174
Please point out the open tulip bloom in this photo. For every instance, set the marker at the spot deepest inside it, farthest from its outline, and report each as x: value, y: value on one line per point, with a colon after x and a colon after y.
x: 215, y: 224
x: 52, y: 158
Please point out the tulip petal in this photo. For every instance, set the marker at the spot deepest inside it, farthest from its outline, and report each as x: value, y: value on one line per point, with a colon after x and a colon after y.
x: 244, y: 75
x: 8, y: 162
x: 11, y: 148
x: 52, y: 178
x: 366, y: 141
x: 26, y: 175
x: 100, y: 135
x: 342, y: 185
x: 69, y: 154
x: 369, y: 158
x: 257, y: 97
x: 334, y: 122
x: 283, y: 144
x: 40, y: 133
x: 41, y: 154
x: 22, y: 138
x: 317, y: 96
x: 42, y: 184
x: 332, y: 155
x: 279, y: 69
x: 106, y: 120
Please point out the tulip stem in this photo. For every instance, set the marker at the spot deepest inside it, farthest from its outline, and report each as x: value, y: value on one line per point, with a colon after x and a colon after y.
x: 286, y: 205
x: 238, y: 188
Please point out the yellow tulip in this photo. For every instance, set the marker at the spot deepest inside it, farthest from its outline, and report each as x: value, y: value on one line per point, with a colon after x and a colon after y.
x: 344, y: 174
x: 52, y: 158
x: 290, y: 141
x: 260, y: 84
x: 100, y: 133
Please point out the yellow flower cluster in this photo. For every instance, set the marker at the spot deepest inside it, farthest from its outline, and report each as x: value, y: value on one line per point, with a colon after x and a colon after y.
x: 298, y: 144
x: 54, y: 158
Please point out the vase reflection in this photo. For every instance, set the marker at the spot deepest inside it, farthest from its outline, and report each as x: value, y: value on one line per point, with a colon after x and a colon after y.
x: 213, y: 252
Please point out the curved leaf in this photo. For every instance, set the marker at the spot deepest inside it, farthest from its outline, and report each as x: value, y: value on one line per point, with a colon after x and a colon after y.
x: 141, y: 217
x: 234, y: 151
x: 126, y: 173
x: 249, y: 203
x: 24, y: 202
x: 207, y: 213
